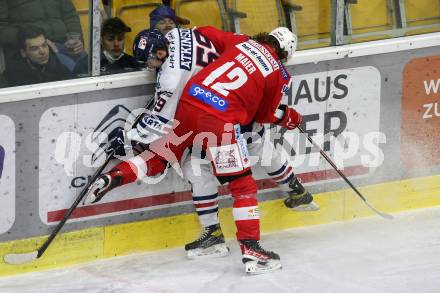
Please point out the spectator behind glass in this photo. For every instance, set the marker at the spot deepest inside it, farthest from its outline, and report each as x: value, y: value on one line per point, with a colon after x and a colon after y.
x: 113, y: 58
x: 164, y: 19
x: 56, y: 18
x: 35, y: 61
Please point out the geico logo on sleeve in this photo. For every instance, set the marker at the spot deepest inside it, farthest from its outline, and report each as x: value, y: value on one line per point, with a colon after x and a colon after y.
x: 208, y: 97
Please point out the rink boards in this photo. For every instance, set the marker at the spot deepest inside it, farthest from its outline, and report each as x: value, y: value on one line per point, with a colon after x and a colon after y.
x: 380, y: 99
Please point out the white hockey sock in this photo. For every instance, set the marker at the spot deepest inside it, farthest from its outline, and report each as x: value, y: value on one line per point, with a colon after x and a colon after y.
x: 282, y: 177
x: 207, y: 209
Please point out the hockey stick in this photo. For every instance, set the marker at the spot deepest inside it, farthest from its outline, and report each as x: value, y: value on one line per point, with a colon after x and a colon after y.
x: 20, y: 258
x: 382, y: 214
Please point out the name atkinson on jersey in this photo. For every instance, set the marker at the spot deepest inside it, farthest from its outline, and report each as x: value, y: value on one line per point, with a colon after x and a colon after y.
x: 186, y: 46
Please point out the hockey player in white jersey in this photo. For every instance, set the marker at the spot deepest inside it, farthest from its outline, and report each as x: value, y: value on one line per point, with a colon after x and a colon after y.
x: 188, y: 51
x: 184, y: 53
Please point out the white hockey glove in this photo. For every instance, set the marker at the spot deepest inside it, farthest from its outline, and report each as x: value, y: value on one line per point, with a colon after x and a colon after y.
x: 149, y: 129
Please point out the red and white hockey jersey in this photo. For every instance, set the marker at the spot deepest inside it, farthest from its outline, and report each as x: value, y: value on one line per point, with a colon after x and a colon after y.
x: 246, y: 83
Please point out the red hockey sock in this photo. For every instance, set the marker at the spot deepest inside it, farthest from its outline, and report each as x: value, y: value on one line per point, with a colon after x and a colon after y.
x: 136, y: 168
x: 128, y: 172
x: 245, y: 208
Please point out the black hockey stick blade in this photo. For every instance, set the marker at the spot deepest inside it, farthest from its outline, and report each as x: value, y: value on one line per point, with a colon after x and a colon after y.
x: 327, y: 158
x: 21, y: 258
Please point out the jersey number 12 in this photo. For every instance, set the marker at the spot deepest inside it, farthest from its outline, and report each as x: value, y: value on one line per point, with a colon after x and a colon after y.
x: 237, y: 78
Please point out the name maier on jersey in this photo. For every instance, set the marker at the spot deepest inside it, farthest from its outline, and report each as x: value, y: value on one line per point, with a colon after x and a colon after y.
x: 259, y: 55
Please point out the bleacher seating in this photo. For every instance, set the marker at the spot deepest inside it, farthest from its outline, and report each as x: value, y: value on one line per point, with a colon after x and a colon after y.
x: 261, y: 15
x: 290, y: 8
x: 372, y: 20
x: 313, y: 23
x: 310, y: 19
x: 371, y: 16
x: 422, y: 16
x: 82, y: 8
x: 135, y: 14
x: 420, y: 12
x: 203, y: 12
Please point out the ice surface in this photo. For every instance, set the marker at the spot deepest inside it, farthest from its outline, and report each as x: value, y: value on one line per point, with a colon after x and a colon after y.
x: 364, y: 255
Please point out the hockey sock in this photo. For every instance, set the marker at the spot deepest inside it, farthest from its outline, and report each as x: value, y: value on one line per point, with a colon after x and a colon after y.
x: 245, y: 208
x: 137, y: 168
x: 282, y: 177
x: 204, y: 187
x: 207, y: 209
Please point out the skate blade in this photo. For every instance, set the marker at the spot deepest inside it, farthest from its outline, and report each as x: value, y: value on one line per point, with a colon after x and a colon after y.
x: 310, y: 207
x: 218, y: 250
x: 256, y: 268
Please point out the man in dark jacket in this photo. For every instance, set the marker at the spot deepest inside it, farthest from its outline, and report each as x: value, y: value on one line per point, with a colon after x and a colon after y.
x: 34, y: 62
x: 55, y: 17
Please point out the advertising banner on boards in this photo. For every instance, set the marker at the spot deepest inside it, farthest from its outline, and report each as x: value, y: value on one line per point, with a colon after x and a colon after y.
x: 420, y: 118
x: 341, y: 112
x: 71, y: 140
x: 7, y: 173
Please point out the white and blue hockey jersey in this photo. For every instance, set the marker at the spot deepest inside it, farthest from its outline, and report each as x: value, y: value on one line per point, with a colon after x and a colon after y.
x: 188, y: 53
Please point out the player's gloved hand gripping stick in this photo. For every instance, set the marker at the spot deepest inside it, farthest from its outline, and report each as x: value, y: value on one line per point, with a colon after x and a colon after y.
x: 20, y: 258
x: 291, y: 119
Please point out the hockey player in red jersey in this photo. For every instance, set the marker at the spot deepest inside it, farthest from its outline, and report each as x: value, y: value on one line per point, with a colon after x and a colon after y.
x: 248, y: 82
x: 195, y: 51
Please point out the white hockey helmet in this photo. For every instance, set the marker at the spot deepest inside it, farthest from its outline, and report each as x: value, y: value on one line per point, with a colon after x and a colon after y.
x: 286, y: 39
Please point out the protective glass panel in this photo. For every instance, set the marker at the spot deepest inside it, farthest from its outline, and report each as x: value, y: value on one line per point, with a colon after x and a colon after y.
x: 43, y: 43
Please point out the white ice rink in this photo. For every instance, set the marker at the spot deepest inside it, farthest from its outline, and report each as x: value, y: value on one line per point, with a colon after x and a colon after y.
x: 364, y: 255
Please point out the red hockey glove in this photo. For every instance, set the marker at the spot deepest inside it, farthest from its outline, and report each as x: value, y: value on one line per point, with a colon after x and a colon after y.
x: 291, y: 118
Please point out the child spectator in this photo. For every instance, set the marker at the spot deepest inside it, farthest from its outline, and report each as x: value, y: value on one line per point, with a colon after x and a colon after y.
x: 113, y: 57
x: 164, y: 19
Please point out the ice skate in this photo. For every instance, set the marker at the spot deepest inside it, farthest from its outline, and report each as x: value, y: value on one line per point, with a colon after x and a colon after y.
x: 299, y: 198
x: 210, y: 244
x: 102, y: 185
x: 256, y: 259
